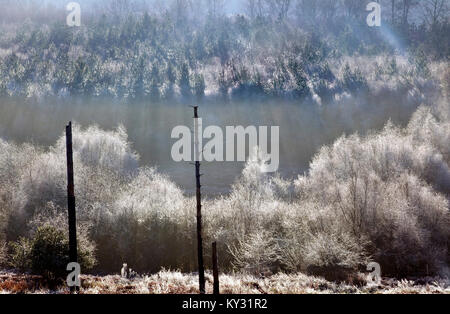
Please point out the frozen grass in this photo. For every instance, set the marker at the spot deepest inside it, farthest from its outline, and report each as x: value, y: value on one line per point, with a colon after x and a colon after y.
x: 167, y: 282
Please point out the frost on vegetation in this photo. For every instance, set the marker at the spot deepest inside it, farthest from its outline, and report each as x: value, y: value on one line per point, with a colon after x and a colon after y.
x: 383, y: 197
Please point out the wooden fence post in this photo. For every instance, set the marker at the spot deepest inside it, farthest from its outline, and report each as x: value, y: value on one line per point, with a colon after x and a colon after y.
x: 215, y: 269
x: 73, y: 255
x: 201, y: 268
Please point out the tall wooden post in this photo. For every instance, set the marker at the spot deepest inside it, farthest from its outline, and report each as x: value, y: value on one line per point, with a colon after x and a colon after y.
x: 201, y: 268
x: 215, y: 269
x: 71, y: 198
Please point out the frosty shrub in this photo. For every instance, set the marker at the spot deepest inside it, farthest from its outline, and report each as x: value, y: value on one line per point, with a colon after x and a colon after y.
x: 333, y: 249
x: 45, y: 251
x: 252, y: 204
x: 14, y: 160
x: 384, y: 188
x: 258, y: 253
x: 42, y: 181
x: 427, y: 128
x: 150, y: 224
x: 364, y: 198
x: 104, y: 149
x: 383, y: 197
x: 20, y: 257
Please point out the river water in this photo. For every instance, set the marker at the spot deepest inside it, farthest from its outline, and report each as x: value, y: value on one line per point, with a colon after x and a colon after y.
x: 304, y: 128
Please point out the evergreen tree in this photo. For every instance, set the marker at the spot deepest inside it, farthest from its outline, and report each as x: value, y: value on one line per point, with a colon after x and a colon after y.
x: 80, y: 76
x: 184, y: 81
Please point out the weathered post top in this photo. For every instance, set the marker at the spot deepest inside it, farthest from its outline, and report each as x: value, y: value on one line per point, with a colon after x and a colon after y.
x: 195, y: 112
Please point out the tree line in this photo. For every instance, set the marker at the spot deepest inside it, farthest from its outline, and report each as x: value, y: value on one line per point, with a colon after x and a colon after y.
x: 182, y: 48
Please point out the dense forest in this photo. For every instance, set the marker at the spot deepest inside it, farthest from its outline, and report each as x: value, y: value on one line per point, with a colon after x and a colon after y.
x: 188, y: 49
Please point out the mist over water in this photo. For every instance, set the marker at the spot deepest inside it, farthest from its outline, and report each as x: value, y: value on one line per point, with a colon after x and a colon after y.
x: 304, y: 128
